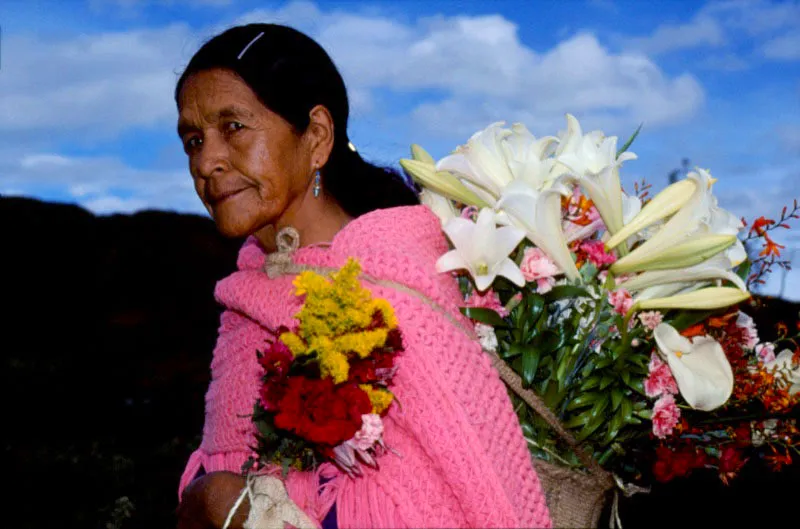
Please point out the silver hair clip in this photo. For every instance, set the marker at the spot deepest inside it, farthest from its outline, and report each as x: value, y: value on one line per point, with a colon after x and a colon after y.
x: 249, y: 44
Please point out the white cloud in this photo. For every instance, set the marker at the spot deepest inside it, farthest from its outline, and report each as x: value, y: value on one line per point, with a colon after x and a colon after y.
x: 99, y: 183
x: 789, y: 138
x: 701, y: 30
x: 480, y: 70
x: 726, y: 62
x: 783, y: 48
x: 769, y: 28
x: 95, y: 85
x: 754, y: 17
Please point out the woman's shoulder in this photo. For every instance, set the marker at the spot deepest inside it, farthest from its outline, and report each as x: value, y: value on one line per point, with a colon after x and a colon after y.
x: 411, y: 230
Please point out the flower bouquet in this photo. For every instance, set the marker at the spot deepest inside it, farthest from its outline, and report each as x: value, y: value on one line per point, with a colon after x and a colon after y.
x: 326, y: 383
x: 612, y: 316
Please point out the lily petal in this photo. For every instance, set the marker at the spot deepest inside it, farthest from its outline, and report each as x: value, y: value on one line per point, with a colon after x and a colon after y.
x: 700, y: 367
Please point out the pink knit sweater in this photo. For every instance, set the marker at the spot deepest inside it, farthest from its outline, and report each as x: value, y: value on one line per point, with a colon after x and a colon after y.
x: 462, y: 459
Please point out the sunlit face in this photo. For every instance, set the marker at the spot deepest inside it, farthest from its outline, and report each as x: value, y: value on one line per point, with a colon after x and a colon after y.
x: 248, y: 164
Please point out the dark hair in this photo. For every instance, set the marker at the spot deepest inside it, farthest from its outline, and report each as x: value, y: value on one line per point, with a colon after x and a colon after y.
x: 291, y: 74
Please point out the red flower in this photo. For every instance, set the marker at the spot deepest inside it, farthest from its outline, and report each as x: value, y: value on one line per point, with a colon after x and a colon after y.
x: 320, y: 412
x: 373, y: 368
x: 743, y: 435
x: 730, y: 461
x: 662, y: 468
x: 275, y: 361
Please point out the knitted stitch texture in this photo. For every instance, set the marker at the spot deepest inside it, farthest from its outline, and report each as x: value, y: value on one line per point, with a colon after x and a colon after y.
x: 462, y: 458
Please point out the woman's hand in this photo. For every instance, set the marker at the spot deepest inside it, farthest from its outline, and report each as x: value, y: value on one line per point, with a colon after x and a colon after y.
x: 206, y: 502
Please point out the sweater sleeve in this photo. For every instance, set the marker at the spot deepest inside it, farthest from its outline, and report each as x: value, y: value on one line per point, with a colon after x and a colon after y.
x: 461, y: 459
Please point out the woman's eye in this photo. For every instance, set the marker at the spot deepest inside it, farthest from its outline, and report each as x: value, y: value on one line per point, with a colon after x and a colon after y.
x: 232, y: 126
x: 192, y: 143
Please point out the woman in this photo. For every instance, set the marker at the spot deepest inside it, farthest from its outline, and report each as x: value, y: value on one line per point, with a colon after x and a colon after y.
x: 263, y: 119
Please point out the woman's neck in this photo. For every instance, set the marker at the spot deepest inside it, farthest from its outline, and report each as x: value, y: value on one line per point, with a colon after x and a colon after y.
x: 316, y: 219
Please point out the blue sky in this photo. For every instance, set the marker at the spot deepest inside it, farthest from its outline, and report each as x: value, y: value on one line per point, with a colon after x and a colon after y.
x: 87, y: 116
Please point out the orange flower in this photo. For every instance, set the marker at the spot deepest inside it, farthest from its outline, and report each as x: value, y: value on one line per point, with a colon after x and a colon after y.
x: 720, y: 322
x: 777, y: 460
x: 760, y: 224
x: 771, y: 247
x: 694, y: 330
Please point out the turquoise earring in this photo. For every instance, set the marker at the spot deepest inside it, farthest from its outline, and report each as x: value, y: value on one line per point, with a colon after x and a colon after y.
x: 317, y: 184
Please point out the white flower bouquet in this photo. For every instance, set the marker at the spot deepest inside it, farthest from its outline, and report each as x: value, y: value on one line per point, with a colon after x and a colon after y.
x: 603, y: 303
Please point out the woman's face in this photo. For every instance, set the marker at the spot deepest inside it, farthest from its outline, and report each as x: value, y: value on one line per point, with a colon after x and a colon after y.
x: 248, y: 164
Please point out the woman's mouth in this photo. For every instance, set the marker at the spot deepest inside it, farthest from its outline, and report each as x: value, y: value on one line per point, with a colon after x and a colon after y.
x: 218, y: 198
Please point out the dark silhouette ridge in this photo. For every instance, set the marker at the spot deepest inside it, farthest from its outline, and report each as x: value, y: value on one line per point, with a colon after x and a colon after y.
x: 107, y: 337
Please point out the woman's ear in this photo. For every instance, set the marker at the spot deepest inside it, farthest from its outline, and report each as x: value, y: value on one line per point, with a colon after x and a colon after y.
x: 319, y: 134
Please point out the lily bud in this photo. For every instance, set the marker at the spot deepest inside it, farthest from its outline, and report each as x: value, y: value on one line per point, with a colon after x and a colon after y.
x: 440, y: 182
x: 664, y: 204
x: 704, y: 299
x: 692, y: 252
x: 421, y: 155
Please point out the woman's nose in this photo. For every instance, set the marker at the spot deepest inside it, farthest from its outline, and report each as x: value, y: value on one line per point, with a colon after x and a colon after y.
x: 213, y: 157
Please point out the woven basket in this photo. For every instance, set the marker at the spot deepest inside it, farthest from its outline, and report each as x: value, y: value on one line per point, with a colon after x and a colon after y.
x: 574, y: 498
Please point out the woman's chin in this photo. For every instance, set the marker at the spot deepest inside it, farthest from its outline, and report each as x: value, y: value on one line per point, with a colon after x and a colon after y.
x: 232, y: 228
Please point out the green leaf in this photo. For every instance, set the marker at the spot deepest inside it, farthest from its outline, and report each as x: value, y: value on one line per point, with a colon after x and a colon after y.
x: 581, y: 401
x: 565, y: 291
x: 549, y: 341
x: 625, y: 375
x: 636, y: 385
x: 617, y: 421
x: 628, y: 143
x: 487, y: 316
x: 592, y: 426
x: 626, y: 408
x: 616, y: 398
x: 590, y: 383
x: 606, y: 381
x: 530, y: 363
x: 743, y: 270
x: 535, y: 307
x: 690, y: 317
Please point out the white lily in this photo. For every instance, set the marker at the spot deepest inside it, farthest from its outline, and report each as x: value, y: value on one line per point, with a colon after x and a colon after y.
x: 424, y: 173
x: 667, y: 290
x: 722, y: 221
x: 784, y: 364
x: 698, y: 226
x: 664, y: 204
x: 691, y: 252
x: 701, y: 299
x: 528, y: 158
x: 481, y: 163
x: 687, y: 219
x: 700, y: 367
x: 538, y: 214
x: 715, y: 268
x: 592, y: 161
x: 482, y: 249
x: 441, y: 206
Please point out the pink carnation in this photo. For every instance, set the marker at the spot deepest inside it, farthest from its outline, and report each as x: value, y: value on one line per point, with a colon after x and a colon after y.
x: 536, y: 266
x: 469, y: 213
x: 597, y: 254
x: 660, y: 380
x: 650, y: 319
x: 666, y: 415
x: 370, y: 432
x: 747, y: 324
x: 765, y: 352
x: 489, y: 300
x: 621, y: 300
